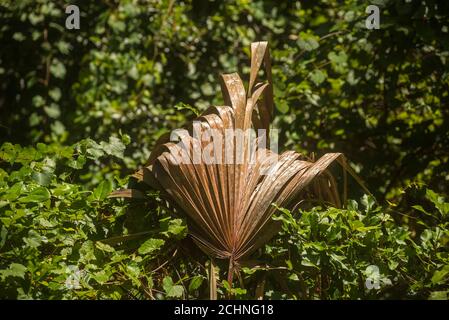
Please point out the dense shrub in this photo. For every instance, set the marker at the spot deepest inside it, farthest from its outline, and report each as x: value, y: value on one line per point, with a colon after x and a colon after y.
x: 380, y: 96
x: 61, y: 240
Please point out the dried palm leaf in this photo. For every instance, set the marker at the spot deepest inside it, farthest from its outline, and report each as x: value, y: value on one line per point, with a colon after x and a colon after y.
x: 228, y: 204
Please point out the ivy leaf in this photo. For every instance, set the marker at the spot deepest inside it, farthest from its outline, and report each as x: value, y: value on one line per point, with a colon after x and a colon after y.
x: 339, y: 61
x: 53, y: 111
x: 87, y: 252
x: 55, y: 94
x: 103, y: 190
x: 176, y: 227
x: 14, y: 270
x: 438, y: 201
x: 307, y: 42
x: 95, y: 153
x: 58, y: 69
x: 282, y: 105
x: 368, y: 202
x: 317, y: 76
x: 40, y: 194
x: 440, y: 275
x: 42, y: 178
x: 195, y: 283
x: 172, y: 290
x: 115, y: 147
x: 101, y: 276
x: 104, y: 247
x: 77, y: 163
x: 94, y: 150
x: 337, y: 58
x: 438, y: 295
x: 13, y: 192
x: 150, y: 246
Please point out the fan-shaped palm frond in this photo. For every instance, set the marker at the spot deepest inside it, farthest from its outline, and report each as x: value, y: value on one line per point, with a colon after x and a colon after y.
x: 228, y: 203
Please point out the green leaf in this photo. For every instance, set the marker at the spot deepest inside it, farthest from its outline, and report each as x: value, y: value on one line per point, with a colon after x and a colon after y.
x: 40, y: 194
x: 77, y: 163
x: 238, y: 291
x: 293, y: 277
x: 101, y: 276
x: 392, y: 264
x: 87, y: 252
x: 34, y: 239
x: 368, y: 202
x: 18, y: 36
x: 438, y: 201
x: 55, y: 94
x: 95, y: 153
x: 195, y: 283
x: 176, y: 227
x: 339, y: 61
x: 133, y: 73
x: 438, y: 295
x: 133, y: 272
x: 440, y: 275
x: 247, y: 270
x: 14, y: 270
x: 421, y: 209
x: 307, y: 42
x: 282, y: 105
x: 42, y: 178
x: 317, y: 76
x: 115, y: 147
x: 104, y: 247
x: 14, y: 192
x: 185, y: 106
x: 57, y: 69
x: 171, y: 289
x: 338, y: 58
x: 150, y: 246
x: 103, y: 190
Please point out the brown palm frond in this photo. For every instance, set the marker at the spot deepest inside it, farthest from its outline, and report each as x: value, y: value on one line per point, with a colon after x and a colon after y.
x: 228, y: 204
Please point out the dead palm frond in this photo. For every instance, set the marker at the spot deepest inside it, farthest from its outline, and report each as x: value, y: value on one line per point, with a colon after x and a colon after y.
x: 228, y: 205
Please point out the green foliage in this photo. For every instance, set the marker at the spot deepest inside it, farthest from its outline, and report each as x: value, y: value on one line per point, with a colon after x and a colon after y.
x: 151, y: 245
x: 62, y: 240
x: 379, y: 96
x: 172, y: 290
x: 329, y: 254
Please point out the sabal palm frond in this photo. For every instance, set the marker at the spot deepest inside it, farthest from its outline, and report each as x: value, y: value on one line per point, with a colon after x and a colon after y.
x: 229, y: 205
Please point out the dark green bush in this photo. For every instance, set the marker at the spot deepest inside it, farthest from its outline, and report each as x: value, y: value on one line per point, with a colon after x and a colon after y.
x: 380, y: 96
